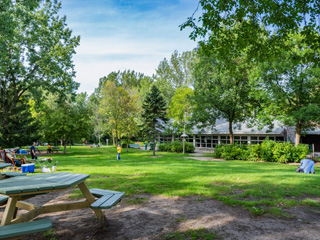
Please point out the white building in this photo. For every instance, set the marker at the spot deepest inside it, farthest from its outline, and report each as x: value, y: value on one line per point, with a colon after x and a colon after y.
x: 219, y: 134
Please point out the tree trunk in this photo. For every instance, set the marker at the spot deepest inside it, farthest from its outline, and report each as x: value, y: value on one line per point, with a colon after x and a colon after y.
x: 298, y: 134
x: 230, y: 132
x: 154, y: 146
x: 99, y: 134
x: 65, y: 147
x: 128, y: 143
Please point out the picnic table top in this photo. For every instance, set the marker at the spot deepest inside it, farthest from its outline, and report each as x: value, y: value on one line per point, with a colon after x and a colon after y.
x: 40, y: 182
x: 4, y: 165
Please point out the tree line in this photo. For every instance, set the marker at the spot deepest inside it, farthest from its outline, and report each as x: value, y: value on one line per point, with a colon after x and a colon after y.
x: 248, y: 67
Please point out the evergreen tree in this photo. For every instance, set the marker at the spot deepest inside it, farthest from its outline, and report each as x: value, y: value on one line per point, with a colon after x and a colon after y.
x: 154, y: 114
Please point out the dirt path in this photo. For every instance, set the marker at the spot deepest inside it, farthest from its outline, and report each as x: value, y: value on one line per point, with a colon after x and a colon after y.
x: 156, y: 216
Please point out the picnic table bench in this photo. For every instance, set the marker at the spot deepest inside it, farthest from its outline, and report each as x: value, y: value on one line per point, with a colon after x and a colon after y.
x: 134, y: 145
x: 106, y: 198
x: 21, y: 229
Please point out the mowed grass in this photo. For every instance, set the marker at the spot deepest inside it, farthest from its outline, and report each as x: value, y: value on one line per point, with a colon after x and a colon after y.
x: 259, y: 187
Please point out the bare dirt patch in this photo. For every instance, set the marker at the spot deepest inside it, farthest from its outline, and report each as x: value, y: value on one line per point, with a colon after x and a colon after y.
x: 156, y: 216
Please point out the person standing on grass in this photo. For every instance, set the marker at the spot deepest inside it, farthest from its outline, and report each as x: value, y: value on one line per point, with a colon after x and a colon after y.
x: 119, y: 148
x: 307, y: 165
x: 33, y: 151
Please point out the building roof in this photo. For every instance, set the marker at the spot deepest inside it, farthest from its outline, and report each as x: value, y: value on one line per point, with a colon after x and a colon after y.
x: 222, y: 127
x: 315, y: 131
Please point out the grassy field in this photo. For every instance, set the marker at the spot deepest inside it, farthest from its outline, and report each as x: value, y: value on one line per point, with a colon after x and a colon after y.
x: 259, y: 187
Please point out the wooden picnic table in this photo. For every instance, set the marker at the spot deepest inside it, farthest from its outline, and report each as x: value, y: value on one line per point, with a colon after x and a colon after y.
x: 23, y: 187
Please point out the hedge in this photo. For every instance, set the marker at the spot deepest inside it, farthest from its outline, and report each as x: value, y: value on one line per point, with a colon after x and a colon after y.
x: 268, y: 150
x: 176, y: 147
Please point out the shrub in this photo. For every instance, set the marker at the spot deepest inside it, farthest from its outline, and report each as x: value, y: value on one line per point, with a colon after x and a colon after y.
x: 266, y: 150
x: 253, y: 152
x: 218, y: 150
x: 282, y: 152
x: 287, y: 152
x: 301, y: 151
x: 176, y: 147
x: 231, y: 152
x: 244, y: 154
x: 189, y: 147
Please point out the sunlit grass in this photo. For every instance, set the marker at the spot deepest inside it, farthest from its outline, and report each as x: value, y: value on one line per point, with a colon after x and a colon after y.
x: 259, y: 187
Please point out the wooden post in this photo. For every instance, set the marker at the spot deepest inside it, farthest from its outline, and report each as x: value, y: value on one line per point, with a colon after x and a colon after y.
x: 9, y: 211
x: 90, y: 198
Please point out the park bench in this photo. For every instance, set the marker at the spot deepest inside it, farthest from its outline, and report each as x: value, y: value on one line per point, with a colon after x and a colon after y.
x: 56, y: 149
x: 106, y: 198
x: 134, y: 145
x: 21, y: 229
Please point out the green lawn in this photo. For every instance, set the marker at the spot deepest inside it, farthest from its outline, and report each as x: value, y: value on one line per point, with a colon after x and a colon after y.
x: 259, y: 187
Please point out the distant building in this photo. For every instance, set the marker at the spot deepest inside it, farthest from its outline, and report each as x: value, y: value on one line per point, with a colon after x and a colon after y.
x: 219, y: 134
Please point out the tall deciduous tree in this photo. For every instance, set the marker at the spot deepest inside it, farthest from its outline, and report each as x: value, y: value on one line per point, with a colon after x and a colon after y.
x: 294, y: 86
x: 129, y: 112
x: 154, y: 114
x: 36, y: 49
x: 175, y: 73
x: 63, y: 118
x: 110, y: 108
x: 278, y: 18
x: 181, y: 107
x: 222, y: 90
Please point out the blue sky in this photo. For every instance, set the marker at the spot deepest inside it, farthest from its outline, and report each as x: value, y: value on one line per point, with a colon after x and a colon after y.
x: 132, y: 34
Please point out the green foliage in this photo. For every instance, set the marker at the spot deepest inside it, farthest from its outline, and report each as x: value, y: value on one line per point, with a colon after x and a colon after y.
x: 231, y: 152
x: 268, y: 150
x: 175, y: 73
x: 176, y: 147
x: 253, y: 152
x: 124, y: 143
x: 222, y: 88
x: 63, y: 118
x: 287, y: 152
x: 283, y: 17
x: 292, y: 82
x: 36, y: 50
x: 218, y: 151
x: 181, y: 105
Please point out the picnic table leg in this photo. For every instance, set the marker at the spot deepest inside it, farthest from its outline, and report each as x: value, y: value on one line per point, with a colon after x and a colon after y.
x: 90, y: 198
x: 9, y: 211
